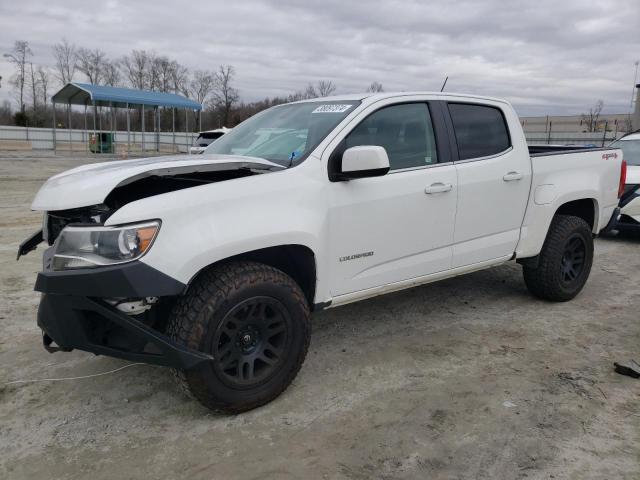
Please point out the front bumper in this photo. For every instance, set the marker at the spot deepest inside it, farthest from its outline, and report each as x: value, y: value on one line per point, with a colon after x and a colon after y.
x: 73, y: 315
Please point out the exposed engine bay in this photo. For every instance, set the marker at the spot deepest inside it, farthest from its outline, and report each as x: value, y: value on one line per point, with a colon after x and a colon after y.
x: 126, y: 192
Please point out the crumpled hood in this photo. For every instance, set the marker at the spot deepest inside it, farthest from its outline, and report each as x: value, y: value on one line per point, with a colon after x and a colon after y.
x: 90, y: 184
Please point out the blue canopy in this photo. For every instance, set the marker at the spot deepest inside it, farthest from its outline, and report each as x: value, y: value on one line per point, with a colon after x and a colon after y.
x: 88, y: 94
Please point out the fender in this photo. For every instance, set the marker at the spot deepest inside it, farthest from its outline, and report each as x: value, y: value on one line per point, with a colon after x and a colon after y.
x: 200, y: 226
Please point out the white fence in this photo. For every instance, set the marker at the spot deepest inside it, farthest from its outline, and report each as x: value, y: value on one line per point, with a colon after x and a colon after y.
x: 599, y: 139
x: 21, y: 138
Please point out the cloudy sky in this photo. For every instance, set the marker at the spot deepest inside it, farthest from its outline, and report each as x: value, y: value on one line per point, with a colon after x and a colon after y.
x: 545, y: 56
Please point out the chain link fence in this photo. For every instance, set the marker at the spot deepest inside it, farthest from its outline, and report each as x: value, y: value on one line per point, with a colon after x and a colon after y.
x: 130, y: 143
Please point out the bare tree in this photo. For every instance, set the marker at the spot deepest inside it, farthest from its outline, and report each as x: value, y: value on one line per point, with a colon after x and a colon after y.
x: 179, y: 78
x: 591, y: 119
x: 91, y: 63
x: 18, y: 56
x: 65, y: 56
x: 201, y: 85
x: 136, y: 67
x: 375, y: 87
x: 111, y: 73
x: 309, y: 92
x: 43, y: 84
x: 224, y: 95
x: 163, y: 68
x: 325, y: 88
x: 33, y: 84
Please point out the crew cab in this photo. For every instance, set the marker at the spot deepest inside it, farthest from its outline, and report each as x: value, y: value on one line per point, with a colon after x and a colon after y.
x: 212, y: 264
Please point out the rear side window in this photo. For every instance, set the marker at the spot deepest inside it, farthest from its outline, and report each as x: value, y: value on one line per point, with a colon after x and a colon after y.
x: 480, y: 130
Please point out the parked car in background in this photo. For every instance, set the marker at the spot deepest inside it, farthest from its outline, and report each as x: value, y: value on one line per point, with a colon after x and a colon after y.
x: 212, y: 264
x: 630, y: 201
x: 206, y: 138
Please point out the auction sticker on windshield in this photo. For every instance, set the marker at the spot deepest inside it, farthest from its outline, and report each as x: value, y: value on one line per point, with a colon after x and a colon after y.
x: 332, y: 108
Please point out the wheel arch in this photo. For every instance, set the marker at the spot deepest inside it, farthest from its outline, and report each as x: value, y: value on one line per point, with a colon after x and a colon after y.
x: 584, y: 208
x: 297, y: 261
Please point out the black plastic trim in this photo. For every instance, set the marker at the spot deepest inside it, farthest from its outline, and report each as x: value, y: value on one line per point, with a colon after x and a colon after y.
x: 30, y: 244
x: 134, y: 279
x: 317, y: 307
x: 67, y: 321
x: 569, y: 151
x: 445, y: 137
x: 531, y: 262
x: 613, y: 221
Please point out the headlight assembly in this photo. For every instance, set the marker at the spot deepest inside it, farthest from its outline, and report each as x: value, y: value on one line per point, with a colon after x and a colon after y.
x: 87, y: 247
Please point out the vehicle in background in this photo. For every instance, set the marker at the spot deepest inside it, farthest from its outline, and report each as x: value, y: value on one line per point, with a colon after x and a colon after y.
x: 211, y: 264
x: 630, y: 201
x: 206, y: 138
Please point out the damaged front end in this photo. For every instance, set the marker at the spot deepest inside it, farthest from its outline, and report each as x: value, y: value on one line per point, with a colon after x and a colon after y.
x: 97, y: 296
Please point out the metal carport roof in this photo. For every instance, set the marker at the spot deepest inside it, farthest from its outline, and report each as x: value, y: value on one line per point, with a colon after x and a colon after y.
x: 87, y: 94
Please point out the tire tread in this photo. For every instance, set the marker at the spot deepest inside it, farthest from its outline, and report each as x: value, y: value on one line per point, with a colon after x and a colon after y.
x: 209, y: 292
x: 543, y: 280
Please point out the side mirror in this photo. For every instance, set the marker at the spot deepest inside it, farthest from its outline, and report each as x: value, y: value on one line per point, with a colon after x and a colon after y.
x: 364, y: 161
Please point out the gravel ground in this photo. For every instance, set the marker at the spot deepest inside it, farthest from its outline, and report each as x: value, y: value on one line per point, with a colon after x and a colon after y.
x: 469, y: 378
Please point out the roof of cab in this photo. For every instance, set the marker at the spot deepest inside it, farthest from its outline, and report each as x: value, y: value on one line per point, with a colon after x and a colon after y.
x: 373, y: 97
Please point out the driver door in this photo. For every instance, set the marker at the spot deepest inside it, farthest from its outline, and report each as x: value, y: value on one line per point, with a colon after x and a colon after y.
x: 398, y: 226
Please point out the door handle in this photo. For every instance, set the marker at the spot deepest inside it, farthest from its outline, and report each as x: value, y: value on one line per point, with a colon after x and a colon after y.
x: 438, y: 187
x: 511, y: 176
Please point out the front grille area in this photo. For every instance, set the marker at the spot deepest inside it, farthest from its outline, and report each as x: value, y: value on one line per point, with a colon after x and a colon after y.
x: 56, y: 221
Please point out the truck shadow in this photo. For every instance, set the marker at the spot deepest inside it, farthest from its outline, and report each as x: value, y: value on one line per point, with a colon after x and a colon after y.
x: 433, y: 303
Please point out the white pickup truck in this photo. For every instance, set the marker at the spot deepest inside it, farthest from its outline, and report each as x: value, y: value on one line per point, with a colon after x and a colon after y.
x: 212, y: 264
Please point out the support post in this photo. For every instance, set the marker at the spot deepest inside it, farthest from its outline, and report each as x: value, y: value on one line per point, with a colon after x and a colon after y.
x: 549, y: 133
x: 69, y: 127
x: 186, y: 128
x: 111, y: 129
x: 95, y: 135
x: 128, y: 130
x: 142, y: 117
x: 84, y: 132
x: 53, y: 104
x: 173, y: 127
x: 200, y: 120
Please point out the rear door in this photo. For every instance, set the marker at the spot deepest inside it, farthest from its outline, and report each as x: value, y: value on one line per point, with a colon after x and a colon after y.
x: 493, y: 183
x: 398, y: 226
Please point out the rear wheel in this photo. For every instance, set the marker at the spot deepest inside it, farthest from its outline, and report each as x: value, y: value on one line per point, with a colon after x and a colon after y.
x: 565, y: 261
x: 255, y: 322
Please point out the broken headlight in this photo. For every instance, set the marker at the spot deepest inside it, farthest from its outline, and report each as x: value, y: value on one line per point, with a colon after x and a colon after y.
x: 87, y: 247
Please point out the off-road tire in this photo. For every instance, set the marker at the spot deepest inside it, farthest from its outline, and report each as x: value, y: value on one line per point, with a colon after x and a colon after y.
x: 547, y: 280
x: 212, y: 297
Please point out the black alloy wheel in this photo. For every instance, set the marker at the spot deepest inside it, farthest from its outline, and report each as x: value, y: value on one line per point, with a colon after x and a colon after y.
x: 573, y: 258
x: 249, y: 343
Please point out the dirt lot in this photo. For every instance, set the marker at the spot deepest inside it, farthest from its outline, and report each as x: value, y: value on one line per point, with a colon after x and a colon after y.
x: 466, y: 378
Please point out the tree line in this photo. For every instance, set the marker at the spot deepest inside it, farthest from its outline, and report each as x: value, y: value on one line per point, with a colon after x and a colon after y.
x: 32, y: 85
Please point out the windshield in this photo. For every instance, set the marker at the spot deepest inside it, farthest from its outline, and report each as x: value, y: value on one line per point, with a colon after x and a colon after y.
x: 630, y: 150
x: 285, y: 134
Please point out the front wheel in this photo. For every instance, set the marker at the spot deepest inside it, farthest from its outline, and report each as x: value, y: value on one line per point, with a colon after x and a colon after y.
x: 565, y: 261
x: 255, y: 322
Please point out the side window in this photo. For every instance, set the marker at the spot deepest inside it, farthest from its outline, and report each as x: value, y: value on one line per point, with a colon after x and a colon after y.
x: 405, y: 131
x: 480, y: 130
